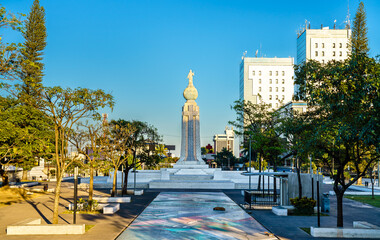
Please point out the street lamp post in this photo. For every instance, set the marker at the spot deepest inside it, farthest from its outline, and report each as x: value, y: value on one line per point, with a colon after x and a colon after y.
x: 250, y: 161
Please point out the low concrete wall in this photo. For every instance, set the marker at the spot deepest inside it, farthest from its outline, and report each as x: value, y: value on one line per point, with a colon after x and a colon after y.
x: 290, y: 187
x: 344, y: 232
x: 34, y: 227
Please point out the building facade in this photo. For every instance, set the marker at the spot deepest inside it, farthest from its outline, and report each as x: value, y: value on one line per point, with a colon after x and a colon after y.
x: 268, y: 80
x: 322, y: 45
x: 225, y: 140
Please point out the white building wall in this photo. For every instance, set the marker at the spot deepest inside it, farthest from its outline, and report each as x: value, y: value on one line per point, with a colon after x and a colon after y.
x: 268, y: 80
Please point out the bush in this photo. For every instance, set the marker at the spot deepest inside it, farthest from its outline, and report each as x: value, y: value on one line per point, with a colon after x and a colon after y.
x: 87, y: 205
x: 303, y: 206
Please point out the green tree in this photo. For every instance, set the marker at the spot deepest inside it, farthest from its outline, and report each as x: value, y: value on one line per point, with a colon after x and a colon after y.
x: 226, y: 159
x: 114, y: 147
x: 35, y: 42
x: 344, y: 100
x: 65, y: 108
x: 141, y: 141
x: 87, y: 141
x: 259, y: 123
x: 359, y: 40
x: 9, y: 53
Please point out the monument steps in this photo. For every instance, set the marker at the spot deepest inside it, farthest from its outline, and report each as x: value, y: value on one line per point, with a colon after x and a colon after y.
x: 192, y: 184
x: 191, y: 177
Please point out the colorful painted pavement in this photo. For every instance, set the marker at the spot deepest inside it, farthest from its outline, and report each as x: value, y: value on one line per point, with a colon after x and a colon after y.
x: 179, y: 215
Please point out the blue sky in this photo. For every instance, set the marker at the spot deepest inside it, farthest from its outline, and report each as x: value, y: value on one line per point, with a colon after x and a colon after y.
x: 141, y: 51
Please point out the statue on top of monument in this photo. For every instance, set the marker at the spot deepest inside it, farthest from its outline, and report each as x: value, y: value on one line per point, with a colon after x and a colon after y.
x: 190, y: 92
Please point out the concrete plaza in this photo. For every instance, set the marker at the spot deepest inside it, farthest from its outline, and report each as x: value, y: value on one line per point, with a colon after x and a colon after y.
x: 190, y: 215
x: 109, y: 227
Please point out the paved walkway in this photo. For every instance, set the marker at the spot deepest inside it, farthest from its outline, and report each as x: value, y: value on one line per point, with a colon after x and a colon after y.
x: 107, y: 227
x: 288, y: 227
x: 110, y: 226
x: 190, y: 215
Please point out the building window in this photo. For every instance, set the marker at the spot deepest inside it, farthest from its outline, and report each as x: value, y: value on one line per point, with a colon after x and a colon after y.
x: 270, y: 104
x: 260, y: 81
x: 283, y: 73
x: 283, y: 89
x: 316, y: 45
x: 276, y: 89
x: 346, y: 45
x: 270, y: 81
x: 276, y: 104
x: 276, y: 73
x: 270, y: 97
x: 259, y: 89
x: 253, y: 73
x: 283, y: 97
x: 323, y: 61
x: 340, y: 45
x: 316, y: 53
x: 283, y: 81
x: 334, y: 54
x: 276, y: 97
x: 276, y: 81
x: 259, y: 73
x: 270, y: 89
x: 270, y: 73
x: 323, y: 45
x: 340, y: 53
x: 333, y: 45
x: 323, y: 53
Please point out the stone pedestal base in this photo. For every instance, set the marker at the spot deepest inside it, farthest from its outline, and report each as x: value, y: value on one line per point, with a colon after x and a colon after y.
x: 190, y: 164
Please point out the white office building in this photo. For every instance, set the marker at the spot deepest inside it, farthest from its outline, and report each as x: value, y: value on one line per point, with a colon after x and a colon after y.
x: 225, y: 140
x: 268, y: 80
x: 322, y: 45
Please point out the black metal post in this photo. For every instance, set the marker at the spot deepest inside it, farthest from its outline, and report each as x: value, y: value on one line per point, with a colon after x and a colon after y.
x: 312, y: 187
x: 319, y: 216
x: 250, y: 163
x: 263, y: 184
x: 134, y: 177
x: 75, y: 194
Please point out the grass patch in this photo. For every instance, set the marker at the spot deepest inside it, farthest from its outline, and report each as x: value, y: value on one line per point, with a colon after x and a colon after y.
x: 306, y: 230
x: 81, y: 212
x: 88, y: 227
x: 9, y: 196
x: 366, y: 199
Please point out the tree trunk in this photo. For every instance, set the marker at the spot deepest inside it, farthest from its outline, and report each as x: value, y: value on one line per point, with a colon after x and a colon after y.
x: 259, y: 182
x: 125, y: 186
x: 339, y: 201
x: 91, y: 187
x: 56, y: 199
x: 113, y: 194
x: 24, y: 175
x: 4, y: 177
x: 373, y: 193
x: 274, y: 183
x: 299, y: 179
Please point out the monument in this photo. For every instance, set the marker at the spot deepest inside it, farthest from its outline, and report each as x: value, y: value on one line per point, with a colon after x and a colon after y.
x: 190, y: 140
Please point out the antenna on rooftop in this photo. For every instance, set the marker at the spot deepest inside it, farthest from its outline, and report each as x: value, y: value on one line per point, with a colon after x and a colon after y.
x: 244, y: 53
x: 334, y: 23
x: 348, y: 23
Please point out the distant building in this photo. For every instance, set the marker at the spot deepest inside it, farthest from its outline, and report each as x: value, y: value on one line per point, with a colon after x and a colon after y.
x: 225, y: 140
x: 268, y: 80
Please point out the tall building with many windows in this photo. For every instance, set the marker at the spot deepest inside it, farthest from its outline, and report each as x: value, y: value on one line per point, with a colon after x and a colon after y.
x: 322, y: 45
x: 268, y: 80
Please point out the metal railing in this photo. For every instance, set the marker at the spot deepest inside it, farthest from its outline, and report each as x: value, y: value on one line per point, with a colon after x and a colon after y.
x: 261, y: 198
